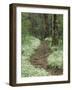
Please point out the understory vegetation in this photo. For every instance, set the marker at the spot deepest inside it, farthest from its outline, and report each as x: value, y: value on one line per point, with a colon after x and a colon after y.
x: 55, y: 60
x: 28, y: 48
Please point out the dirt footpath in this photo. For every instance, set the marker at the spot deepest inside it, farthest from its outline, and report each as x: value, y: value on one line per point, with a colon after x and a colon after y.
x: 39, y: 59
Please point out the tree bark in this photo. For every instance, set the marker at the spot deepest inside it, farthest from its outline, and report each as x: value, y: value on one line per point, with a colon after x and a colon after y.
x: 54, y: 30
x: 46, y: 32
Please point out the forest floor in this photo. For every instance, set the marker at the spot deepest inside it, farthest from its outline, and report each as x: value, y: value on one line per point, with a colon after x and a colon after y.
x: 39, y: 59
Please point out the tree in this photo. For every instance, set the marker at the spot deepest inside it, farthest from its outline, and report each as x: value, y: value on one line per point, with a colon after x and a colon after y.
x: 46, y: 31
x: 54, y: 30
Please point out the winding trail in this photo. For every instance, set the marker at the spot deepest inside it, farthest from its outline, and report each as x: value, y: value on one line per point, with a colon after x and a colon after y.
x: 39, y: 59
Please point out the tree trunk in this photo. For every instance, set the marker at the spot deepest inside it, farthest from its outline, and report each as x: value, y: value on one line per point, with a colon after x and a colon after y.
x: 46, y: 32
x: 54, y: 30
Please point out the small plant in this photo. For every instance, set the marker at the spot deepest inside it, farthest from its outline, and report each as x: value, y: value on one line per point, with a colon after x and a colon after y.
x: 55, y: 60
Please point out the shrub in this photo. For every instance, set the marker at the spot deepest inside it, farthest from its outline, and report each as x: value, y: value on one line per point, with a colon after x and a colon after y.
x: 55, y: 60
x: 30, y: 44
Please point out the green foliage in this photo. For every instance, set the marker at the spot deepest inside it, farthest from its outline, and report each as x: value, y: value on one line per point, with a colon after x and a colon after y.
x: 26, y: 25
x: 49, y: 41
x: 29, y: 70
x: 29, y: 45
x: 55, y: 60
x: 54, y: 48
x: 39, y: 26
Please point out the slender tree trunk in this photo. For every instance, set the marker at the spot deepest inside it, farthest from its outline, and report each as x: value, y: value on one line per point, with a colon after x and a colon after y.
x: 46, y: 32
x: 54, y: 30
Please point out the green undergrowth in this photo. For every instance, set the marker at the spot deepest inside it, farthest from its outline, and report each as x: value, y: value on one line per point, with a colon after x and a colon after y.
x: 29, y: 44
x: 28, y: 48
x: 55, y: 60
x: 29, y: 70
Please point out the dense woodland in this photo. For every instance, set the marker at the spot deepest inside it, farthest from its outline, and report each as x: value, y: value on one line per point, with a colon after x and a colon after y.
x: 42, y: 44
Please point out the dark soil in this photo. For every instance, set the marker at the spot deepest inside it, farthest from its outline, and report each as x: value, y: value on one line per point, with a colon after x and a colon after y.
x: 39, y: 59
x: 55, y: 71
